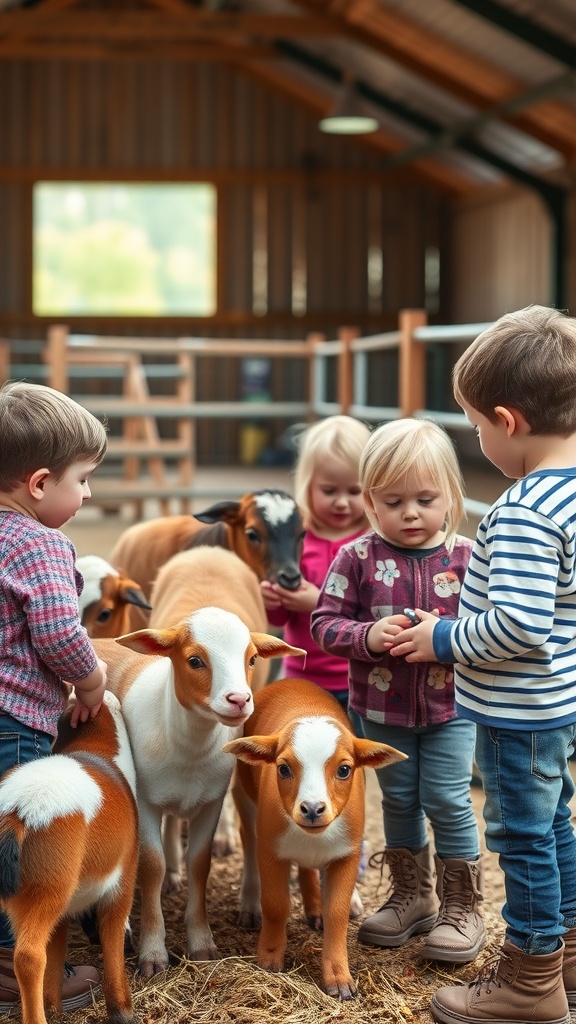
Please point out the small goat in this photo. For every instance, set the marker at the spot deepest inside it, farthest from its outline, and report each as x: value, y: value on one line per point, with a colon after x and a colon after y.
x: 107, y: 597
x: 69, y: 843
x: 264, y: 528
x: 180, y: 707
x: 300, y: 794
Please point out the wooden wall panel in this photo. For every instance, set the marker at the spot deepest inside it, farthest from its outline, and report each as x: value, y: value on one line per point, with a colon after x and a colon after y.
x: 501, y: 256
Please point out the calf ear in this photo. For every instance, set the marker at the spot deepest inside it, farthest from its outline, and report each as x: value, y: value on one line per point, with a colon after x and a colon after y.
x: 369, y: 754
x: 149, y: 641
x: 273, y: 647
x: 254, y: 750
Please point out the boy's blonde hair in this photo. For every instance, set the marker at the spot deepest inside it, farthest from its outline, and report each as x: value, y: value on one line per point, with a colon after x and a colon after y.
x: 405, y: 445
x: 525, y: 361
x: 43, y: 427
x: 341, y: 436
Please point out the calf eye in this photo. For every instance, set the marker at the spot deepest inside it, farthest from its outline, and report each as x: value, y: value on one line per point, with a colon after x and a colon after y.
x: 196, y: 662
x: 344, y: 771
x: 252, y: 536
x: 104, y: 615
x: 253, y: 660
x: 284, y: 771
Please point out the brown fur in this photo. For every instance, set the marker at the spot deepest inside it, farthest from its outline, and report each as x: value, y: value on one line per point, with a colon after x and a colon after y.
x: 56, y: 860
x: 271, y: 810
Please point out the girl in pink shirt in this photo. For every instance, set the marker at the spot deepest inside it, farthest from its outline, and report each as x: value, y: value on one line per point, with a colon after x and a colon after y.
x: 328, y: 491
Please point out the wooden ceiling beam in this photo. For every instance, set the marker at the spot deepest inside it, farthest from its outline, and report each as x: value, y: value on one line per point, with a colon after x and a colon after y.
x: 32, y: 50
x: 153, y: 24
x: 278, y: 78
x: 458, y: 71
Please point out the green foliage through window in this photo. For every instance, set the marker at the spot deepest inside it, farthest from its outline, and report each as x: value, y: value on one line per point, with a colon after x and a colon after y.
x: 117, y: 249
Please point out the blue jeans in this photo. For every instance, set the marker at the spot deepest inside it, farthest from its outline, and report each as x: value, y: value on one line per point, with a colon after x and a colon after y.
x: 433, y: 784
x: 528, y: 786
x: 18, y: 745
x: 354, y: 717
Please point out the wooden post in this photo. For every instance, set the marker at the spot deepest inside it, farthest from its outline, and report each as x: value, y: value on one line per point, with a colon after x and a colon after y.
x: 56, y: 357
x: 345, y: 395
x: 412, y: 363
x: 314, y: 341
x: 4, y: 361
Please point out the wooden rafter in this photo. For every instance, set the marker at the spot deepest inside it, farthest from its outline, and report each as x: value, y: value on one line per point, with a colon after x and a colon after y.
x: 452, y: 68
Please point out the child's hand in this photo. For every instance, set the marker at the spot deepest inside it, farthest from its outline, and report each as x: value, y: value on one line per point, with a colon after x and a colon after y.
x: 382, y: 634
x: 89, y: 694
x: 304, y: 599
x: 415, y: 644
x: 270, y: 598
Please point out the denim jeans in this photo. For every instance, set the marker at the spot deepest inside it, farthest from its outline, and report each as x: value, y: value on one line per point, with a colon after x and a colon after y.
x: 528, y: 786
x: 18, y: 745
x: 433, y: 784
x: 355, y: 719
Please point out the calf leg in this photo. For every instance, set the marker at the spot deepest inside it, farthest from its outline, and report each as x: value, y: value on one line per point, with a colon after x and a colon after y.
x: 111, y: 926
x: 201, y: 944
x: 275, y: 878
x: 153, y: 955
x: 172, y: 845
x: 250, y: 911
x: 309, y: 882
x: 338, y: 886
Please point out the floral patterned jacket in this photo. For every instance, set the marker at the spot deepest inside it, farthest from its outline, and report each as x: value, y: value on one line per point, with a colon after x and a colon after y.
x: 368, y: 580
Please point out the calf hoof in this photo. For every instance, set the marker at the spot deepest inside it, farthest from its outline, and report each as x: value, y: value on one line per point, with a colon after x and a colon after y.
x: 342, y: 990
x: 223, y: 846
x: 152, y: 965
x: 206, y: 953
x: 356, y: 906
x: 315, y: 922
x: 172, y: 883
x: 250, y: 920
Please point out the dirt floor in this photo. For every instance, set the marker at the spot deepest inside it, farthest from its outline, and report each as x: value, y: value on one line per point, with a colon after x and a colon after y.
x: 395, y: 985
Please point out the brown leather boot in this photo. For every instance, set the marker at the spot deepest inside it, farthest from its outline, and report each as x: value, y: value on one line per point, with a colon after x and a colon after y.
x: 459, y: 932
x: 514, y: 988
x: 411, y: 908
x: 569, y: 967
x: 79, y: 985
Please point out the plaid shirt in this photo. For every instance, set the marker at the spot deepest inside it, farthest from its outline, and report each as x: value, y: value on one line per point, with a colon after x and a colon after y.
x: 370, y: 580
x: 42, y: 640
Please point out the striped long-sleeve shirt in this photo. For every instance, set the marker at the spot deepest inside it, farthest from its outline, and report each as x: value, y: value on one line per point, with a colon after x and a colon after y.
x: 514, y: 646
x: 41, y: 638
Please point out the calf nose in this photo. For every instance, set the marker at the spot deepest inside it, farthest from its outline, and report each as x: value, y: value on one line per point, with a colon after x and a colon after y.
x: 288, y: 578
x: 240, y: 700
x: 312, y: 811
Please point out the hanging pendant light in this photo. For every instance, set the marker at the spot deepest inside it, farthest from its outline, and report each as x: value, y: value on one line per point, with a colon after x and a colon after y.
x: 347, y: 117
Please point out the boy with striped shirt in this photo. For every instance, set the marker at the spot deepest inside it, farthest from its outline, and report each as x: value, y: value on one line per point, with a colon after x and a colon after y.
x: 514, y: 654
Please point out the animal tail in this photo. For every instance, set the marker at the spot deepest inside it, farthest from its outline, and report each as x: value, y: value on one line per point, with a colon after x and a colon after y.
x: 11, y: 838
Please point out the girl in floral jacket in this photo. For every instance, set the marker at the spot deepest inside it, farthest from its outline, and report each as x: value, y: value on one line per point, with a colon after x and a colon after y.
x: 413, y: 557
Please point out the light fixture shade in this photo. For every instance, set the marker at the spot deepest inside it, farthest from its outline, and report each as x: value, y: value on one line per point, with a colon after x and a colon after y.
x: 346, y: 117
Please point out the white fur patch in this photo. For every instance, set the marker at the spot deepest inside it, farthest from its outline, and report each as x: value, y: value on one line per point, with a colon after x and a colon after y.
x: 93, y: 891
x: 226, y: 638
x: 52, y: 787
x: 314, y: 741
x: 93, y: 570
x: 275, y: 508
x: 314, y: 849
x: 123, y: 759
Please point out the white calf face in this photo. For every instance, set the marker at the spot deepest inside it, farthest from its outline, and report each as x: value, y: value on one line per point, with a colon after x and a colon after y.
x: 214, y: 666
x: 315, y: 769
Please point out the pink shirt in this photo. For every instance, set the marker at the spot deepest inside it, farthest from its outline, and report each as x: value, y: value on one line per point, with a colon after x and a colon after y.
x: 327, y: 670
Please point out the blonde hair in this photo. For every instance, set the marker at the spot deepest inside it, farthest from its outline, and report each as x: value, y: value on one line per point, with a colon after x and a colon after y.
x: 527, y: 361
x: 341, y: 436
x: 399, y: 447
x: 43, y: 427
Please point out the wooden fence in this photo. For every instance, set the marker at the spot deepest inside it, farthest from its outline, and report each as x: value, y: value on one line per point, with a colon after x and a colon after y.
x: 145, y: 463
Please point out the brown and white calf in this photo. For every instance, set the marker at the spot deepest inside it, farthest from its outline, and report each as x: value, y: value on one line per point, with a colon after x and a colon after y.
x: 263, y: 528
x: 185, y: 692
x: 300, y: 793
x: 107, y: 597
x: 68, y: 844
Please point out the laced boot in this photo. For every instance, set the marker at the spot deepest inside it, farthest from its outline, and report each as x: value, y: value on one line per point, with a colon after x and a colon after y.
x: 411, y: 907
x: 79, y: 984
x: 569, y: 967
x: 459, y: 932
x: 512, y: 988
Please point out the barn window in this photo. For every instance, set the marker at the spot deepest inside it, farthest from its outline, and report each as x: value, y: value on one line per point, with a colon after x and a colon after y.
x: 124, y: 249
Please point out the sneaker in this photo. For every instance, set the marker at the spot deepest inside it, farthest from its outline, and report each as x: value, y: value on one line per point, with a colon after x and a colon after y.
x: 79, y: 985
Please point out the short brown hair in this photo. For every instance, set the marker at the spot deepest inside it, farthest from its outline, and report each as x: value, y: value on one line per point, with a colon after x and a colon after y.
x: 525, y: 361
x: 42, y: 427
